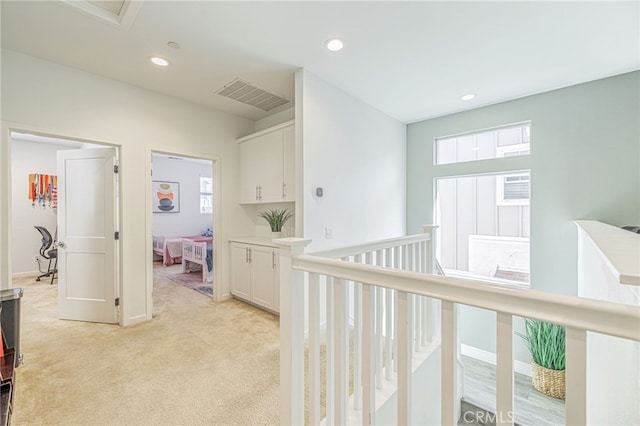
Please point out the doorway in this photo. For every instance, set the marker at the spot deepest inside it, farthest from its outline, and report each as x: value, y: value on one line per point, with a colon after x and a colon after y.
x: 40, y: 197
x: 183, y: 194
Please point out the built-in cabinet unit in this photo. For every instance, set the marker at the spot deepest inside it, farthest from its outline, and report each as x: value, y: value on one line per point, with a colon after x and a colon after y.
x: 255, y: 272
x: 267, y: 165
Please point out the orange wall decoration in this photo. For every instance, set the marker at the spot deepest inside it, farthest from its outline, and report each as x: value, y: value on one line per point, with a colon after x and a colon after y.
x: 43, y: 190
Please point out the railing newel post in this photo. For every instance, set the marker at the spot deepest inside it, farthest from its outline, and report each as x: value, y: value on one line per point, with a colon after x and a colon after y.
x: 429, y: 254
x: 291, y: 332
x: 430, y: 306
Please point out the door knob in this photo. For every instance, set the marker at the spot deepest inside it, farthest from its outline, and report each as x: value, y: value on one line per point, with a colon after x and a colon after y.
x: 60, y: 244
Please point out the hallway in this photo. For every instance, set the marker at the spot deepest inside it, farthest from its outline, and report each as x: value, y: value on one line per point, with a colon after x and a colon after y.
x: 195, y: 363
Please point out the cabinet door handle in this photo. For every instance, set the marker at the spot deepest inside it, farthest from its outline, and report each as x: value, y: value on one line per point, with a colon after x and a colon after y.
x: 250, y: 255
x: 273, y: 260
x: 246, y: 255
x: 257, y: 197
x: 284, y: 190
x: 260, y: 192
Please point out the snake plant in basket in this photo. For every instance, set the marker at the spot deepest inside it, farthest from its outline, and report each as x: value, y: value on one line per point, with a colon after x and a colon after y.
x: 546, y: 343
x: 276, y: 218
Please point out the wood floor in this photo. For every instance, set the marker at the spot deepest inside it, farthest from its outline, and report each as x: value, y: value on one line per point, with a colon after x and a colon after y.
x: 532, y: 408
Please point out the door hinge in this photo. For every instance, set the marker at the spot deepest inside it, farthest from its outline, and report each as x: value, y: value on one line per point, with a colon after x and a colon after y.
x: 117, y: 301
x: 115, y: 168
x: 116, y: 235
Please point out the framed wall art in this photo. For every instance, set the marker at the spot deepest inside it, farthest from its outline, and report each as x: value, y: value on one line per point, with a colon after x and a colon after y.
x: 166, y: 196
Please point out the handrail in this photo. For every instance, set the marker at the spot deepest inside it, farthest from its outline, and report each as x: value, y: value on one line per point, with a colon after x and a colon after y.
x: 355, y: 249
x: 581, y: 313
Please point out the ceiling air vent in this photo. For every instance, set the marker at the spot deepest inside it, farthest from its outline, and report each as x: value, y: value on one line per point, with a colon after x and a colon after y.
x: 244, y: 92
x: 117, y: 12
x: 112, y: 6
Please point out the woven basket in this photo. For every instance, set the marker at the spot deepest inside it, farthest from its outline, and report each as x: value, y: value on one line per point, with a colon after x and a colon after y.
x: 549, y: 382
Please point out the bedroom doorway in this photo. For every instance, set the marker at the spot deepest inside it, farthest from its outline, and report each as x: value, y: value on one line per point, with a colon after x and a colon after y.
x: 183, y: 211
x: 49, y: 203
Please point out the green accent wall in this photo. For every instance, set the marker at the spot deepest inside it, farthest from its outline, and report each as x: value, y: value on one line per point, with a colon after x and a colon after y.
x: 584, y: 162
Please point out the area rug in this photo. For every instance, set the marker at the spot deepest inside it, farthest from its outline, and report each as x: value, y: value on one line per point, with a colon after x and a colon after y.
x: 193, y: 281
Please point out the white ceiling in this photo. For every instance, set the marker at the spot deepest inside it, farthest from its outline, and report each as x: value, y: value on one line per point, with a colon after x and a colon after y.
x: 411, y: 60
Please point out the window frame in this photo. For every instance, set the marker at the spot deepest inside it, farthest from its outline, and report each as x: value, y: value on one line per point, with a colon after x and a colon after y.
x: 521, y: 125
x: 500, y: 167
x: 501, y: 182
x: 207, y: 194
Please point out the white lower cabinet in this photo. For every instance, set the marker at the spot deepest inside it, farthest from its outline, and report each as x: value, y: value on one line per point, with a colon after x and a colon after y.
x: 255, y: 274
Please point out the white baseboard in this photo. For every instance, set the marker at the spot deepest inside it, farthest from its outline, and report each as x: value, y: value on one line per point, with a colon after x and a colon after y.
x: 25, y: 274
x: 225, y: 297
x: 490, y: 358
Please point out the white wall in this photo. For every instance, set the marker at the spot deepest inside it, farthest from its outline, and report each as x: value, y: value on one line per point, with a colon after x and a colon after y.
x: 26, y: 158
x: 357, y: 155
x: 42, y: 96
x: 612, y: 362
x: 584, y: 162
x: 260, y: 226
x: 189, y: 220
x: 425, y: 395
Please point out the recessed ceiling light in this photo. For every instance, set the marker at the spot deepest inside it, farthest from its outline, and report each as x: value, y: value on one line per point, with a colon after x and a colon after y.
x: 468, y: 97
x: 334, y: 44
x: 173, y: 45
x: 161, y: 62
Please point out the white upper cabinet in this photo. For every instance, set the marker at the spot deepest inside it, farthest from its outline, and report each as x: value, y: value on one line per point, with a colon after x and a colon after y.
x: 267, y: 165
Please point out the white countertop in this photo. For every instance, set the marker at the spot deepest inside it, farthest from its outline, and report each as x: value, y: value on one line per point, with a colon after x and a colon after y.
x: 259, y: 241
x: 621, y: 248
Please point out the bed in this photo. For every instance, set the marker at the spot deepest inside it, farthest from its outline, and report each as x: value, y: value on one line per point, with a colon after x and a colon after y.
x: 197, y: 250
x: 169, y: 249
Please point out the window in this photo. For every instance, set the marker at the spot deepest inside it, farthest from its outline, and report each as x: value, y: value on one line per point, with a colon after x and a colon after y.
x: 206, y: 195
x: 513, y: 150
x: 505, y: 141
x: 484, y: 218
x: 512, y: 190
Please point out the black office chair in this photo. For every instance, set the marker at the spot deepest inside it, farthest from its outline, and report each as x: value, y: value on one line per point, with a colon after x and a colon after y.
x: 48, y: 253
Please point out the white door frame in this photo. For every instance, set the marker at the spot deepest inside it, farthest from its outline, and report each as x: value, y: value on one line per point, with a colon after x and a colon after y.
x: 6, y: 204
x: 217, y: 199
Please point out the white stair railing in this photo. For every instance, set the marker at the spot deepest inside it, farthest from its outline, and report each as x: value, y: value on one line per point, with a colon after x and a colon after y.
x: 374, y: 341
x: 384, y: 296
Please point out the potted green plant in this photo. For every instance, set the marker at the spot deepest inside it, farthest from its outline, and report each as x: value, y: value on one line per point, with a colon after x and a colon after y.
x: 276, y: 218
x: 546, y: 343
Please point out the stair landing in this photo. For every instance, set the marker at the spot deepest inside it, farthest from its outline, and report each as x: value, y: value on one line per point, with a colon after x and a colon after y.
x: 532, y: 408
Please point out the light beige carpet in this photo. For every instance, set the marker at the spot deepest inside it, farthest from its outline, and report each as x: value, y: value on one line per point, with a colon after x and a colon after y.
x: 196, y: 363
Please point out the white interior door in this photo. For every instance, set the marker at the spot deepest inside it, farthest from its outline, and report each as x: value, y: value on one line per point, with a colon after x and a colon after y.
x: 87, y: 279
